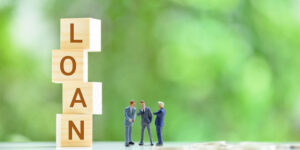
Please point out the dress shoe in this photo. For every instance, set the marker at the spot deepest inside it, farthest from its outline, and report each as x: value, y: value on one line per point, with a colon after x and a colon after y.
x: 127, y: 145
x: 151, y: 144
x: 131, y: 143
x: 159, y: 144
x: 141, y: 144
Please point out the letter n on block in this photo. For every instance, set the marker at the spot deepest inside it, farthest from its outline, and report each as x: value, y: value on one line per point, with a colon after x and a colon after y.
x: 80, y: 33
x: 82, y: 98
x: 74, y: 130
x: 69, y: 65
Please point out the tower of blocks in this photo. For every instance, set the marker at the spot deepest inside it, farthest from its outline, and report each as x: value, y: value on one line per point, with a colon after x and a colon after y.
x: 81, y: 99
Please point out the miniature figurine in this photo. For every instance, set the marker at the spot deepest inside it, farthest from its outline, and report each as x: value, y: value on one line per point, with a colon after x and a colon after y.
x: 128, y: 122
x: 159, y: 122
x: 146, y: 119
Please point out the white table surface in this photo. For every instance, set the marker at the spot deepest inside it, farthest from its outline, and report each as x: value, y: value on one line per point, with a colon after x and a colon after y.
x: 96, y: 146
x: 120, y: 146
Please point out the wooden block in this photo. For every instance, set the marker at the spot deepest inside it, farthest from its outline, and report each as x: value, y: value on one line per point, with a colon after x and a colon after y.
x: 171, y: 148
x: 69, y: 65
x: 80, y: 33
x: 82, y: 98
x: 74, y: 130
x: 74, y: 148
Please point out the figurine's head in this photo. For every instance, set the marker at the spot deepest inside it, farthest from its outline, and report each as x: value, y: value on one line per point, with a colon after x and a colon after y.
x: 132, y: 103
x: 142, y: 102
x: 161, y: 104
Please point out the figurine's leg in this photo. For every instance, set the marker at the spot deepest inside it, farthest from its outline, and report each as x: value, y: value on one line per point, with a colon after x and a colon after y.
x: 149, y: 133
x: 142, y: 134
x: 126, y: 135
x: 130, y: 133
x: 161, y: 138
x: 159, y: 134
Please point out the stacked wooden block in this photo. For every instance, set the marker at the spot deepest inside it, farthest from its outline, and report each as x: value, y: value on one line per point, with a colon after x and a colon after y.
x: 81, y: 99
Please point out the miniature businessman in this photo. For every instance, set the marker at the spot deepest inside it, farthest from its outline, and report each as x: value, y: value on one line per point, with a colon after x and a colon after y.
x: 128, y: 122
x: 146, y: 119
x: 159, y: 122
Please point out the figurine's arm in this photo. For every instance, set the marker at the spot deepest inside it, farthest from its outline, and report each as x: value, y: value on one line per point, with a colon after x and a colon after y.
x: 126, y: 115
x: 133, y: 118
x: 139, y: 113
x: 157, y: 113
x: 150, y: 115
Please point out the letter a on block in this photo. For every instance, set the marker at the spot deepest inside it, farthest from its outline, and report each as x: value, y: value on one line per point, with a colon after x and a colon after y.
x: 80, y: 34
x: 69, y: 65
x: 74, y: 130
x: 82, y: 98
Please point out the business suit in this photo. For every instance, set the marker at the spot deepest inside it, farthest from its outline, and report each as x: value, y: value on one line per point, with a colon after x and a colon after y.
x: 129, y: 114
x: 146, y: 119
x: 159, y: 123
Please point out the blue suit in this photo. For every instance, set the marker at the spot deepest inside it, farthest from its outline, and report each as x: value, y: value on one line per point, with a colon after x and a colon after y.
x: 129, y: 114
x: 146, y: 119
x: 159, y: 123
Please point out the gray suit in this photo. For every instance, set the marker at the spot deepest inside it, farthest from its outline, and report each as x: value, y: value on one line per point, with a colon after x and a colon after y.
x: 128, y: 125
x: 146, y: 119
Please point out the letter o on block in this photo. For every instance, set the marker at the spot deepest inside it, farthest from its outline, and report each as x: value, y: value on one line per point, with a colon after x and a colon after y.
x: 69, y: 65
x: 62, y: 68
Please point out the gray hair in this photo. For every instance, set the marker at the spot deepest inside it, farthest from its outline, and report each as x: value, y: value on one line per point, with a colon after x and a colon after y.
x: 162, y: 104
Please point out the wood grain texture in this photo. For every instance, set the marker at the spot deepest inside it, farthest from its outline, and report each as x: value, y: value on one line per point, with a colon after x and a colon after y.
x: 62, y: 130
x: 80, y: 73
x: 88, y: 30
x: 88, y: 97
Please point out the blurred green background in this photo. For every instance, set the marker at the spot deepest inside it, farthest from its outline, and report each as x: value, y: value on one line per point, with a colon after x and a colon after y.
x: 226, y: 69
